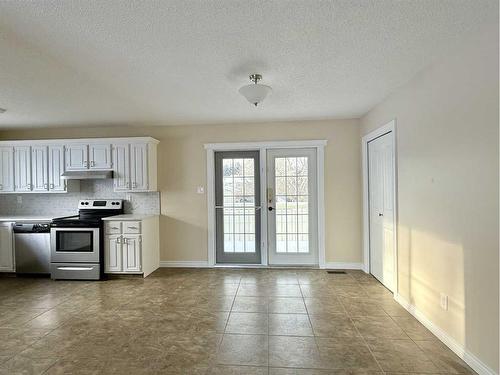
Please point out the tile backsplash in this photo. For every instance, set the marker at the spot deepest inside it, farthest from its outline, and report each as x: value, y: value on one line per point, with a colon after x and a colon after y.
x: 67, y: 203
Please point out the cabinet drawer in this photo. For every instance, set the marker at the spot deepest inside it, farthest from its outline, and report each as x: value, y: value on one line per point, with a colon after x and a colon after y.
x: 113, y: 227
x: 132, y: 227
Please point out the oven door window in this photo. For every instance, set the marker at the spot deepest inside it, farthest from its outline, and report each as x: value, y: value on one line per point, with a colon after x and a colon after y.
x: 75, y: 241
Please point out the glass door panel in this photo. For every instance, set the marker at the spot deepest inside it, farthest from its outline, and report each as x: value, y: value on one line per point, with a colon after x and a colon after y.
x: 237, y: 199
x: 292, y: 215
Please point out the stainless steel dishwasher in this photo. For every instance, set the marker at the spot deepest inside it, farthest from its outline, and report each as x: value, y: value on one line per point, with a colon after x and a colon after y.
x: 32, y: 248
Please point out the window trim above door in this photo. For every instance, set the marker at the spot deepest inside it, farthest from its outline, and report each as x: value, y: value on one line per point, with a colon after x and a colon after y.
x: 211, y: 148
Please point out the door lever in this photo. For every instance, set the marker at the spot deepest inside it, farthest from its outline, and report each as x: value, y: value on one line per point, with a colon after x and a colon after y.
x: 380, y: 214
x: 270, y: 208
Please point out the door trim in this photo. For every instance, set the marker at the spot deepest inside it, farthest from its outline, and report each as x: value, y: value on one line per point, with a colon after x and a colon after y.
x: 390, y: 127
x: 211, y: 148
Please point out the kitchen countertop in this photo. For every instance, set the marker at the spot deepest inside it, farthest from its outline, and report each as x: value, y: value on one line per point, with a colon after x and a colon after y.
x: 27, y: 218
x: 129, y: 217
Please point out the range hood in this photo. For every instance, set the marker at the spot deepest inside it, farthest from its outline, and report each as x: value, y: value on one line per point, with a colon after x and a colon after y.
x: 87, y: 175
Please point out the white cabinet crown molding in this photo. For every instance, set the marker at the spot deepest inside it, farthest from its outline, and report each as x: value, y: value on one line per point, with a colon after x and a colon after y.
x: 63, y: 141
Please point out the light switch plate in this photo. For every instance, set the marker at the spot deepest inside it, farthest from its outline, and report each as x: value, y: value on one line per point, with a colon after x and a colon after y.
x: 200, y: 190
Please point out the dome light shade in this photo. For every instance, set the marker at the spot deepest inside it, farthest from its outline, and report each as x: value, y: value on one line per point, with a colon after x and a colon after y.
x: 255, y: 93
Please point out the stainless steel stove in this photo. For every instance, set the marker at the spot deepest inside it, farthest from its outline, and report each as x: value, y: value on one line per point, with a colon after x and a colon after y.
x: 76, y: 242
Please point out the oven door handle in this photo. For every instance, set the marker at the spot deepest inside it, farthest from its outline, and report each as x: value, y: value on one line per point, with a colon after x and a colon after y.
x: 75, y: 268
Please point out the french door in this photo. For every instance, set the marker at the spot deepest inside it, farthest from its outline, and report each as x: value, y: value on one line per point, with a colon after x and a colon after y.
x: 381, y: 209
x: 292, y: 207
x: 237, y: 207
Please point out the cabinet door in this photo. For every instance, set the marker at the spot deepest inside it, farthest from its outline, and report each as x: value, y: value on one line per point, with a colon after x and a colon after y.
x: 6, y: 169
x: 139, y: 166
x: 112, y: 254
x: 39, y: 168
x: 56, y: 168
x: 22, y: 168
x: 6, y: 248
x: 121, y: 167
x: 132, y: 253
x: 77, y: 157
x: 100, y: 156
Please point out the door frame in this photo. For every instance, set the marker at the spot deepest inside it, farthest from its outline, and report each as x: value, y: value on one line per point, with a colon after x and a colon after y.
x: 262, y: 147
x: 389, y: 128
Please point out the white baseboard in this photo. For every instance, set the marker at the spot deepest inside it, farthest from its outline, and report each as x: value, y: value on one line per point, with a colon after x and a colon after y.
x: 184, y: 264
x: 475, y: 363
x: 342, y: 266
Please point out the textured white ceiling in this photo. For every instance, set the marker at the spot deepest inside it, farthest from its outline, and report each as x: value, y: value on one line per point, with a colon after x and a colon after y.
x: 182, y: 62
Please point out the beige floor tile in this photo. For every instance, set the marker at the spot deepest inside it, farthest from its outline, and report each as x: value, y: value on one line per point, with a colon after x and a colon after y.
x: 318, y: 306
x: 250, y: 304
x: 290, y: 325
x: 287, y: 305
x: 347, y: 353
x: 444, y: 359
x: 413, y: 328
x: 286, y: 351
x: 238, y: 370
x: 247, y: 323
x: 28, y: 366
x: 173, y: 322
x: 76, y: 367
x: 356, y: 307
x: 244, y: 350
x: 284, y: 290
x: 401, y: 356
x: 253, y: 290
x: 373, y: 327
x: 333, y: 325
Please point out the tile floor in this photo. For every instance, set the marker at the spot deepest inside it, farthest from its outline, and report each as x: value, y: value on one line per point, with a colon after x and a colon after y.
x: 214, y: 321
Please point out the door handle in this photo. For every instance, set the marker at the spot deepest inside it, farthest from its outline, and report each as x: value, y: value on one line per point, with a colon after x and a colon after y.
x: 270, y: 208
x: 380, y: 214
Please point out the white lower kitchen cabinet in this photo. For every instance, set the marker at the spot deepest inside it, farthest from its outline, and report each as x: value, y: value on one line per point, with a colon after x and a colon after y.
x: 131, y: 244
x: 6, y: 248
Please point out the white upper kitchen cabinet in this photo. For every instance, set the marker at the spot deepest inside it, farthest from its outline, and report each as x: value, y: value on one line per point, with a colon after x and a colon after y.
x: 56, y: 168
x: 100, y: 156
x: 36, y: 166
x: 139, y: 166
x: 39, y: 168
x: 6, y: 248
x: 22, y: 168
x: 77, y: 156
x: 121, y: 170
x: 135, y: 166
x: 6, y: 169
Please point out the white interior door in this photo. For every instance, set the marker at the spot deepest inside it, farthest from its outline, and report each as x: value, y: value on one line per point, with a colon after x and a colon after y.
x: 292, y: 207
x: 381, y: 206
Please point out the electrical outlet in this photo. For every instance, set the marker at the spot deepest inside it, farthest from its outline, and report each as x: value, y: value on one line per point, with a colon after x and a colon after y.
x: 19, y: 199
x: 443, y: 301
x: 200, y: 190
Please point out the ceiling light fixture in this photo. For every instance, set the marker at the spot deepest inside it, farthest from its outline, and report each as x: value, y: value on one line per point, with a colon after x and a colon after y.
x: 255, y: 93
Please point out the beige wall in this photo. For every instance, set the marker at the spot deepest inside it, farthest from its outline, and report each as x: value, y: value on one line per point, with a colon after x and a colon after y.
x: 447, y: 141
x: 182, y: 167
